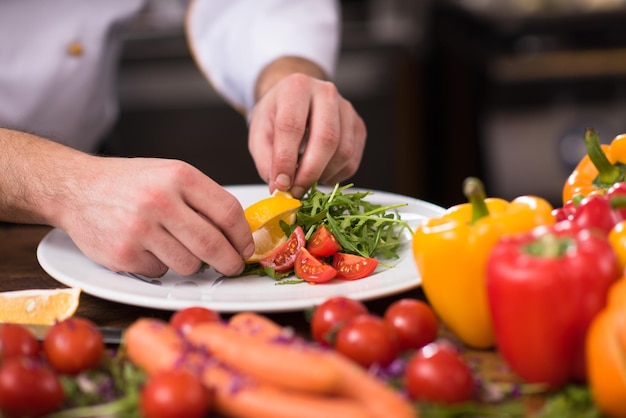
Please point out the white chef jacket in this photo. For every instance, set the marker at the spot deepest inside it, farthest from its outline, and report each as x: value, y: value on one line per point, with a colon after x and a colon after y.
x: 59, y: 58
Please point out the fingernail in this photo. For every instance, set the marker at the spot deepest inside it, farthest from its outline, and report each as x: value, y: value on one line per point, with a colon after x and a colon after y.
x: 249, y: 251
x: 283, y: 180
x: 297, y: 192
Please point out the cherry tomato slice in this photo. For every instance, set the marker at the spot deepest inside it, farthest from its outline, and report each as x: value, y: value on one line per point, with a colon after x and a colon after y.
x: 437, y: 373
x: 353, y: 267
x: 312, y: 269
x: 323, y: 243
x: 185, y: 319
x: 283, y: 257
x: 330, y: 315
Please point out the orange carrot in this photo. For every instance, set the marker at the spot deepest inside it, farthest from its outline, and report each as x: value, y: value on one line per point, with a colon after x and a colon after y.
x: 277, y: 362
x: 356, y: 383
x: 153, y: 345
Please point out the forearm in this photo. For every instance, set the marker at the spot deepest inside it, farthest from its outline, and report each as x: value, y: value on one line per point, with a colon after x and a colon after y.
x: 36, y: 179
x: 282, y: 67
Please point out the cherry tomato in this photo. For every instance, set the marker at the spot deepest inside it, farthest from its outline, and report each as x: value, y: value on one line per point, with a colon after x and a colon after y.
x: 175, y: 393
x: 331, y: 314
x: 353, y: 267
x: 29, y: 388
x: 16, y: 340
x: 73, y: 345
x: 322, y: 243
x: 185, y: 319
x: 312, y: 269
x: 367, y: 339
x: 282, y: 258
x: 414, y: 321
x: 438, y: 374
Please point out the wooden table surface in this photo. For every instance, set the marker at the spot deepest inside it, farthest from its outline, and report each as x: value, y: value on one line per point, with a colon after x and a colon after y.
x: 19, y: 269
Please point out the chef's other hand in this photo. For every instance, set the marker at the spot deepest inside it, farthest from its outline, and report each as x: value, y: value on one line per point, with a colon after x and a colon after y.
x: 144, y: 215
x: 302, y: 130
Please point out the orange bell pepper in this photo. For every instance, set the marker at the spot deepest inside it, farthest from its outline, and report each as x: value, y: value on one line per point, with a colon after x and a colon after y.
x: 451, y: 253
x: 606, y: 354
x: 603, y: 166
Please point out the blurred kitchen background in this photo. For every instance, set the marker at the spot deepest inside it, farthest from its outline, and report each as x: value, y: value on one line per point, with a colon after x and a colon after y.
x: 500, y: 89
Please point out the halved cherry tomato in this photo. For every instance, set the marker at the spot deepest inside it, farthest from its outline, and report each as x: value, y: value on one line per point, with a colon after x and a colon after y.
x: 282, y: 258
x: 353, y: 267
x: 313, y: 269
x: 323, y: 243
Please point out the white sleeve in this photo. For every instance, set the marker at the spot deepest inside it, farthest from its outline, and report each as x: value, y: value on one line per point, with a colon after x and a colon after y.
x: 233, y: 40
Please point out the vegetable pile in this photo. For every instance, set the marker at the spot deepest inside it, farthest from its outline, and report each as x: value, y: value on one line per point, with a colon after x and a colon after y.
x: 542, y: 285
x: 339, y: 235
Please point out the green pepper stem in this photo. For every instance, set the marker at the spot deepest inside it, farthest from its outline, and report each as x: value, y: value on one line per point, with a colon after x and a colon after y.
x: 549, y: 246
x: 618, y: 201
x: 607, y: 172
x: 474, y: 191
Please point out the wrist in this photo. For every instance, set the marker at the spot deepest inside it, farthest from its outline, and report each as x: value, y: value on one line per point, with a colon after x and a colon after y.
x: 282, y: 67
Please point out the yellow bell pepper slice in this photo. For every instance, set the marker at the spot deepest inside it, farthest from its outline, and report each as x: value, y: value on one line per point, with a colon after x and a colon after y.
x: 451, y: 253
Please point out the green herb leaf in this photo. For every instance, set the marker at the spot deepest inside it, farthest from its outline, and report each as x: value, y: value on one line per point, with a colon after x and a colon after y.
x: 360, y: 227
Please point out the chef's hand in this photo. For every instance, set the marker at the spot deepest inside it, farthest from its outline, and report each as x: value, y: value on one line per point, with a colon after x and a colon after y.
x: 302, y: 130
x: 145, y: 215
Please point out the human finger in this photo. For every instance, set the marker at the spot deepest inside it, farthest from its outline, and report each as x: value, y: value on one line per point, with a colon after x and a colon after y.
x: 292, y: 114
x: 325, y: 128
x: 347, y: 158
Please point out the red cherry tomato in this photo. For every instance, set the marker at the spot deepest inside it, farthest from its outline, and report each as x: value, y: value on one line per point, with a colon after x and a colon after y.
x: 73, y: 345
x: 187, y: 318
x: 312, y: 269
x: 16, y: 340
x: 331, y: 314
x: 322, y: 243
x: 282, y: 258
x: 28, y: 388
x: 353, y: 267
x: 368, y: 340
x: 438, y: 374
x: 173, y: 394
x: 414, y: 321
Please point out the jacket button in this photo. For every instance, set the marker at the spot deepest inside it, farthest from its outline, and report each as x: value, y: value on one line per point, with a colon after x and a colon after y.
x: 75, y: 49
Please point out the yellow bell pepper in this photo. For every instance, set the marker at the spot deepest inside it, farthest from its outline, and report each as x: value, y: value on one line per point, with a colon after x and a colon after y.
x: 451, y: 252
x: 617, y: 239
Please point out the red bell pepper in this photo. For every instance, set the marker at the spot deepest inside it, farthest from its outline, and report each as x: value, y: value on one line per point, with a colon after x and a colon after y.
x: 544, y: 288
x: 602, y: 212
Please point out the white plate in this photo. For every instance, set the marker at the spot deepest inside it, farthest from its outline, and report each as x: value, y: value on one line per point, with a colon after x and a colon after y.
x: 60, y: 258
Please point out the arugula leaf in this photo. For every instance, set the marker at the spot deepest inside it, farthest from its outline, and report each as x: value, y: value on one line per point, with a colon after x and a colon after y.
x: 360, y: 227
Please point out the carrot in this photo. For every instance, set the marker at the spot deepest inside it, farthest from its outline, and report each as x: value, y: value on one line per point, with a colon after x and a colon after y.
x: 257, y: 325
x: 153, y: 345
x: 356, y: 383
x: 277, y: 362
